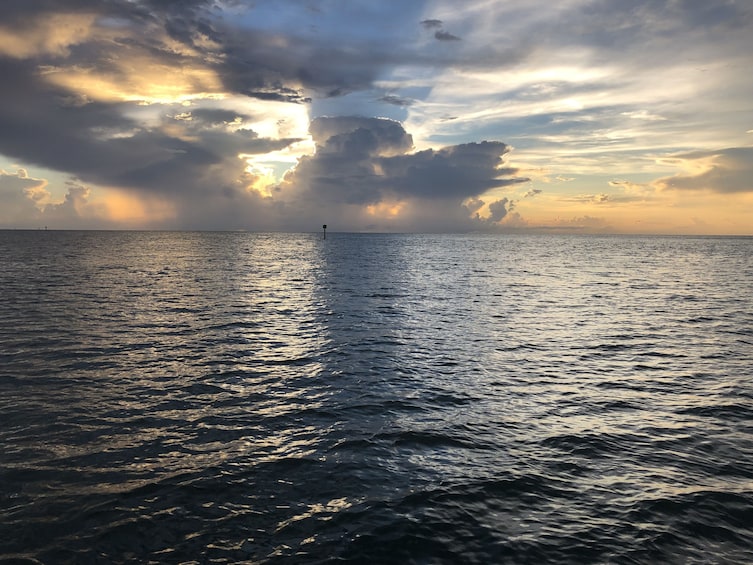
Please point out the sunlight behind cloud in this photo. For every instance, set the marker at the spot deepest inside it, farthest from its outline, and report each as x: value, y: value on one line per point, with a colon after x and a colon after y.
x: 139, y: 80
x: 261, y: 179
x: 385, y: 209
x: 128, y: 208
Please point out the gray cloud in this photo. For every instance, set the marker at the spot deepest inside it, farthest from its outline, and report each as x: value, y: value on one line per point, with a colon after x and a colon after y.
x: 457, y: 171
x: 499, y: 209
x: 431, y: 24
x: 474, y: 204
x: 396, y: 100
x: 367, y: 160
x: 439, y: 34
x: 96, y: 143
x: 443, y: 35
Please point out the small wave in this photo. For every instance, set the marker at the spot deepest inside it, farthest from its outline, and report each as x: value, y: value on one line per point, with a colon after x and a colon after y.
x: 727, y: 412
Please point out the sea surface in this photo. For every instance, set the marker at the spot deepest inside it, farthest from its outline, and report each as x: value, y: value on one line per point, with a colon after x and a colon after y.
x: 280, y: 398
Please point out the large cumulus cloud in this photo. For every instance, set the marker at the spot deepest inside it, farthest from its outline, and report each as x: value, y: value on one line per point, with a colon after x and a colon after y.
x: 368, y: 163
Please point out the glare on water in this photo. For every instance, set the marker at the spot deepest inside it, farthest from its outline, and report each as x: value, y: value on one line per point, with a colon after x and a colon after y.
x: 385, y: 398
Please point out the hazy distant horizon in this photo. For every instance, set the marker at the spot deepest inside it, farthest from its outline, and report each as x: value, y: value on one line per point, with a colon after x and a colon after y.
x: 330, y: 232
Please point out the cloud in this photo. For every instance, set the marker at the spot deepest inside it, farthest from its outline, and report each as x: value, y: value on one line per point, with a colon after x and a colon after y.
x: 27, y: 203
x: 365, y: 160
x: 369, y: 163
x: 442, y: 35
x: 474, y: 204
x: 160, y: 51
x: 23, y: 34
x: 396, y: 100
x: 725, y: 171
x: 21, y: 197
x: 364, y: 174
x: 106, y: 144
x: 498, y: 210
x: 188, y: 112
x: 439, y: 34
x: 75, y: 209
x: 532, y: 192
x: 431, y: 24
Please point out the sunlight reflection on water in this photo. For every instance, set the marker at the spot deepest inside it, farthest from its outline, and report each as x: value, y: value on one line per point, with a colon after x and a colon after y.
x: 391, y: 398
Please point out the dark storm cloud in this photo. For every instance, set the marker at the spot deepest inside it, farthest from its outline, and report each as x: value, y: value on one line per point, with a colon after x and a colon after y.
x: 359, y: 137
x: 40, y: 126
x: 68, y: 140
x: 457, y: 171
x: 367, y: 160
x: 153, y: 161
x: 98, y: 144
x: 253, y: 62
x: 262, y: 66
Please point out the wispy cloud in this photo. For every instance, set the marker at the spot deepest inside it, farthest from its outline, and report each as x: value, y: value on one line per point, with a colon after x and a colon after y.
x: 726, y: 171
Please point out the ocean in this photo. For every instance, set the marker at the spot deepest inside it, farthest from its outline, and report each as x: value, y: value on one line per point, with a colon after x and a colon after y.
x: 194, y: 397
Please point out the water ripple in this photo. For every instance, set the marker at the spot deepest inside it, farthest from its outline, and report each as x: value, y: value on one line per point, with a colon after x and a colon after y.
x: 274, y: 398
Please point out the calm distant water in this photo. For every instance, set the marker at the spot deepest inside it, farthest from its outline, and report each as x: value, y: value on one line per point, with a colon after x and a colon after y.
x: 233, y: 397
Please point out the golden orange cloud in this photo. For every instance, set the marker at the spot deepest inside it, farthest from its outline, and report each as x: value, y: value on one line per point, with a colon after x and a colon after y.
x: 139, y: 79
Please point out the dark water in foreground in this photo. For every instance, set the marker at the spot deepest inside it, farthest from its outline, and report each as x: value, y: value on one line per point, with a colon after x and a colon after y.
x: 229, y: 397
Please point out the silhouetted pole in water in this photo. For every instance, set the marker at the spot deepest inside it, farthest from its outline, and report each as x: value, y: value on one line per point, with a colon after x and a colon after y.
x: 324, y: 227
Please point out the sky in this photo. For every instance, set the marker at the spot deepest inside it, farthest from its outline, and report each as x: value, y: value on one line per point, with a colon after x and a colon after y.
x: 575, y: 116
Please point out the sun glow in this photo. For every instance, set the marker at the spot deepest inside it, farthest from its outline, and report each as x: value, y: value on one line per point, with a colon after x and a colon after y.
x: 262, y: 179
x: 139, y: 80
x: 385, y: 209
x: 123, y: 207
